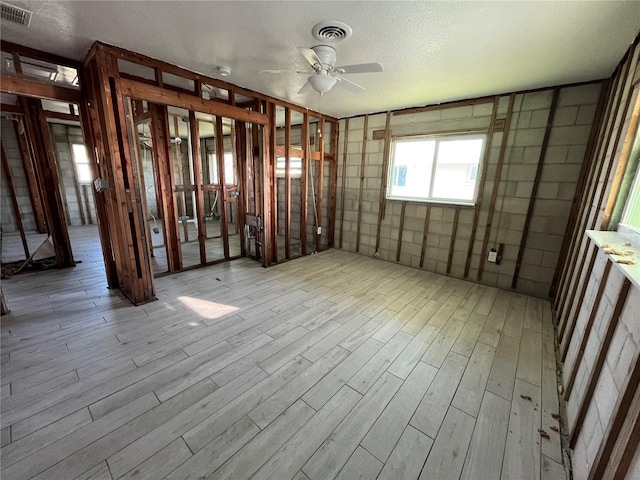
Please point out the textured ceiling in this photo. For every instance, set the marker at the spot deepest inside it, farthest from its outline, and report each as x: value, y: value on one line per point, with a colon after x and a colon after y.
x: 431, y: 51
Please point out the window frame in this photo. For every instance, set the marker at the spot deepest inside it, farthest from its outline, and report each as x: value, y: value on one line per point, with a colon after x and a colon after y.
x: 75, y: 162
x: 437, y: 137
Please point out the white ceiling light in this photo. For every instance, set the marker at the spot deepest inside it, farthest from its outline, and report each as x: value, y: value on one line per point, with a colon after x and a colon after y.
x: 224, y: 70
x: 322, y: 83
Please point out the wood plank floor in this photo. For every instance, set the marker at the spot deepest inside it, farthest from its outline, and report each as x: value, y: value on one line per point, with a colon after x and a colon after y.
x: 334, y: 365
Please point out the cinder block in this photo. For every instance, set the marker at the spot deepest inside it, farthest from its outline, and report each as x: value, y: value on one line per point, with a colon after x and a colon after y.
x: 532, y: 155
x: 579, y: 95
x: 565, y: 116
x: 536, y: 100
x: 529, y: 137
x: 575, y: 135
x: 556, y: 154
x: 586, y: 114
x: 539, y: 118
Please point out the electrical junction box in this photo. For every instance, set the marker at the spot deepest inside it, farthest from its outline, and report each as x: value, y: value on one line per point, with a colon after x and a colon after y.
x: 493, y: 255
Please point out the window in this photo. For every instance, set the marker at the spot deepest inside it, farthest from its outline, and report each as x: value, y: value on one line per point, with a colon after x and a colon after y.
x: 82, y: 163
x: 229, y: 172
x: 631, y: 214
x: 295, y: 164
x: 439, y: 169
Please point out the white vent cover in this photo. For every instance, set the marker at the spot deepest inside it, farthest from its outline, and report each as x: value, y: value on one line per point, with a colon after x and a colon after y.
x: 15, y: 14
x: 331, y: 31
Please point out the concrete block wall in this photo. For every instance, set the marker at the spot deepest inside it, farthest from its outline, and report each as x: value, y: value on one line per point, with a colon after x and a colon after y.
x: 624, y: 349
x: 561, y: 165
x: 63, y: 137
x: 14, y: 159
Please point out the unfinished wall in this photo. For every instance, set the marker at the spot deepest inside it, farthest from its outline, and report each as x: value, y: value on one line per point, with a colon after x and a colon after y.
x: 14, y: 159
x: 597, y: 306
x: 561, y: 163
x: 78, y: 198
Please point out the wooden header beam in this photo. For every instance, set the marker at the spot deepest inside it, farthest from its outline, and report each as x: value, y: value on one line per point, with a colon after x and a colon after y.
x: 28, y: 52
x: 31, y: 88
x: 162, y: 96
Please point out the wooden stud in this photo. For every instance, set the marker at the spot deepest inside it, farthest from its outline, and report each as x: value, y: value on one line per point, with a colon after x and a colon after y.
x: 361, y: 191
x: 93, y: 139
x: 485, y: 166
x: 424, y: 235
x: 383, y: 181
x: 30, y: 174
x: 224, y: 226
x: 287, y: 184
x: 582, y: 179
x: 333, y: 183
x: 599, y: 363
x: 242, y: 153
x: 496, y: 183
x: 344, y: 179
x: 14, y: 201
x: 585, y: 284
x: 166, y: 182
x: 178, y: 160
x: 586, y: 331
x: 536, y: 184
x: 194, y: 133
x: 268, y: 190
x: 400, y: 230
x: 621, y: 168
x: 40, y: 139
x: 454, y: 230
x: 320, y: 184
x: 34, y: 89
x: 273, y: 179
x: 304, y: 184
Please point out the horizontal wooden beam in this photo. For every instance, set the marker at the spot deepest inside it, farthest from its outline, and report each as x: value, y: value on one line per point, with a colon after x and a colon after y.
x: 162, y: 96
x: 61, y: 116
x: 23, y: 51
x: 16, y: 109
x: 280, y: 151
x: 33, y: 89
x: 442, y: 106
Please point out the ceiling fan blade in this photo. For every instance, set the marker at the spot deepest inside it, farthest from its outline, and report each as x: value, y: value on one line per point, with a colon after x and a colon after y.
x: 351, y: 86
x: 310, y: 56
x: 285, y: 71
x: 361, y: 68
x: 305, y: 88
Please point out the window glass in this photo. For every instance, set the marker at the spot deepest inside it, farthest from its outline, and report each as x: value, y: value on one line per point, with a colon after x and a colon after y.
x: 81, y: 161
x: 441, y: 169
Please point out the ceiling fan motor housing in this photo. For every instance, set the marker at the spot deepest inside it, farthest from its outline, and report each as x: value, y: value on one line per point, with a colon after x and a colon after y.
x: 326, y: 54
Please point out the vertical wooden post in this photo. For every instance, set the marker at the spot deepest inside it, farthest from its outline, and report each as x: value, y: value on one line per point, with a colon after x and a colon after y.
x: 49, y: 181
x: 14, y: 201
x: 304, y: 184
x: 194, y: 132
x: 224, y: 226
x: 165, y: 181
x: 536, y: 183
x: 361, y: 191
x: 425, y: 232
x: 320, y: 185
x: 183, y: 198
x: 287, y: 183
x: 344, y: 178
x: 496, y: 182
x: 454, y: 231
x: 385, y: 175
x: 333, y: 184
x: 483, y: 181
x: 267, y: 188
x: 400, y: 230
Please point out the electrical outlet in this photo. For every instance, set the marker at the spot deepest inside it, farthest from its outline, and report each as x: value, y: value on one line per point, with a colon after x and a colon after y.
x: 319, y: 230
x: 493, y: 255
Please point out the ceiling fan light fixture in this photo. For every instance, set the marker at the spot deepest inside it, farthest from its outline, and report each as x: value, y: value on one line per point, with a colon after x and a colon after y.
x: 322, y: 83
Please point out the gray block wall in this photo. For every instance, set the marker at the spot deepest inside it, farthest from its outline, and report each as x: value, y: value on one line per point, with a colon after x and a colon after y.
x: 561, y: 166
x: 14, y: 159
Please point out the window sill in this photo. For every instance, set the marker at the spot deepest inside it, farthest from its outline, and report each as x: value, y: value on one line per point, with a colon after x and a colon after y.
x: 443, y: 203
x: 620, y: 241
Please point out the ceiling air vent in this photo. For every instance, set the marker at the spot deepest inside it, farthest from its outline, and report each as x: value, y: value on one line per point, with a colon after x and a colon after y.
x: 331, y: 31
x: 15, y: 14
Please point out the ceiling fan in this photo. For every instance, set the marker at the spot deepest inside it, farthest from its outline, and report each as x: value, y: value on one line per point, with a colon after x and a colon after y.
x: 326, y: 75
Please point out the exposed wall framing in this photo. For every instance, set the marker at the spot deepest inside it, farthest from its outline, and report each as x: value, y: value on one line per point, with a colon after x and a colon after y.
x: 596, y: 304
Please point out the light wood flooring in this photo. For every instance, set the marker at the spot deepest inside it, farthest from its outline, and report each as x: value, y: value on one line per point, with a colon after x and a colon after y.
x: 333, y: 365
